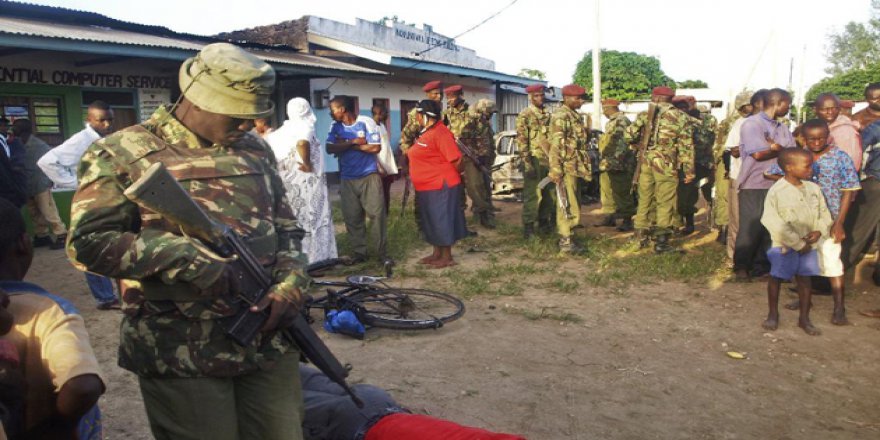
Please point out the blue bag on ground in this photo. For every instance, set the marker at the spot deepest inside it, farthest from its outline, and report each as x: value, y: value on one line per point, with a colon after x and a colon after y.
x: 345, y: 322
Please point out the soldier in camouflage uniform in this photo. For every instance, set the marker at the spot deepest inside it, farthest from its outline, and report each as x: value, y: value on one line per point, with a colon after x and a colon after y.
x: 569, y: 161
x: 720, y: 208
x: 617, y: 165
x: 465, y: 125
x: 532, y: 128
x: 410, y: 131
x: 703, y: 127
x: 196, y: 382
x: 670, y: 150
x: 485, y: 110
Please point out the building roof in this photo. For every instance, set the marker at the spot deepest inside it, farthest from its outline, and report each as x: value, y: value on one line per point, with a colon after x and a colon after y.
x: 25, y: 26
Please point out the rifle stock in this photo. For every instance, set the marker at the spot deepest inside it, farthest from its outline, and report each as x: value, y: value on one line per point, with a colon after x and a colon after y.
x: 158, y: 191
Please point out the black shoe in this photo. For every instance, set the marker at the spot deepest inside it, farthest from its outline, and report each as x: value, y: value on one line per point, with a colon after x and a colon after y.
x: 876, y: 275
x: 643, y: 237
x: 722, y: 235
x: 626, y: 225
x: 688, y: 228
x: 606, y: 222
x: 109, y: 305
x: 662, y: 245
x: 43, y: 241
x: 59, y: 242
x: 487, y: 221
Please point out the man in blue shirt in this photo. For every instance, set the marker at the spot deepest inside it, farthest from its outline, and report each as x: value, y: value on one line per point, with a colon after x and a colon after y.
x: 355, y: 141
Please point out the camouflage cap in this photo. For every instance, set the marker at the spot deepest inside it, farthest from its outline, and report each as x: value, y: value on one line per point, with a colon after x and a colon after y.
x: 743, y: 98
x: 224, y: 79
x: 485, y: 106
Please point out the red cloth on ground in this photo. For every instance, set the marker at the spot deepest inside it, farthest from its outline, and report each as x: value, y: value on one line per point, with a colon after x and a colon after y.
x: 430, y: 159
x: 414, y: 426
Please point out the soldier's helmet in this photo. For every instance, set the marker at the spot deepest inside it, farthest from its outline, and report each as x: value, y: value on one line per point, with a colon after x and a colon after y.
x: 485, y: 106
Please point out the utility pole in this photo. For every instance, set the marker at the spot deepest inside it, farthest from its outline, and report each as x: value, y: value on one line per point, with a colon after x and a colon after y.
x: 597, y: 75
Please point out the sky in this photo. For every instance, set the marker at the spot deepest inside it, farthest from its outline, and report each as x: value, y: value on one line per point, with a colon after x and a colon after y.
x: 730, y: 44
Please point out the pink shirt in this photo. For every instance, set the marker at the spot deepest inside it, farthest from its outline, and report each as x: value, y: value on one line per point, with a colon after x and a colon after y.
x: 845, y: 134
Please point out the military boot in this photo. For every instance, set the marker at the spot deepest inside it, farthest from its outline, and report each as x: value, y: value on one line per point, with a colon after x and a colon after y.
x: 528, y: 231
x: 643, y: 237
x: 607, y: 222
x: 662, y: 245
x: 688, y: 225
x: 722, y: 235
x: 567, y: 246
x: 487, y: 220
x: 626, y: 225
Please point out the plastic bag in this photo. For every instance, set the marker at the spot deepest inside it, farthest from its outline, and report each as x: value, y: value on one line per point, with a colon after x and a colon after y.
x: 344, y: 322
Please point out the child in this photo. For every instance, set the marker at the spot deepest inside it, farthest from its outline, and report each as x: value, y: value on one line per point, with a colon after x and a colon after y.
x: 836, y: 175
x: 797, y: 218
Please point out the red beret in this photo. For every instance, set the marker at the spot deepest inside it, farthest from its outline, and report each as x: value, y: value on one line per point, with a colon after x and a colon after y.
x: 610, y: 102
x: 573, y: 90
x: 534, y: 88
x: 431, y: 86
x: 846, y: 103
x: 662, y: 91
x: 452, y: 89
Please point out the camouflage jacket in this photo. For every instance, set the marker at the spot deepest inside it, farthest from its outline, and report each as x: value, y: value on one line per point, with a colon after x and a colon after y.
x: 410, y: 131
x: 465, y: 125
x: 532, y: 133
x: 671, y: 144
x: 485, y: 137
x: 568, y: 145
x: 615, y: 152
x: 704, y: 141
x: 170, y: 327
x: 721, y: 135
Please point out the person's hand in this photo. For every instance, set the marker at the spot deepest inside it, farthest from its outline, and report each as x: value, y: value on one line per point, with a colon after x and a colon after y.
x: 773, y: 145
x: 812, y: 237
x: 837, y: 232
x: 806, y: 249
x: 283, y: 304
x: 226, y: 284
x: 688, y: 178
x: 359, y: 141
x: 734, y: 152
x: 305, y: 167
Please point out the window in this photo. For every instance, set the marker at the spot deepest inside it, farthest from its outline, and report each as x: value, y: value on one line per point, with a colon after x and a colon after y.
x: 43, y: 112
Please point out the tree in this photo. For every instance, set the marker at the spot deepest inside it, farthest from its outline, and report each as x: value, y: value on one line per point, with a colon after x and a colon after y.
x: 532, y: 73
x: 625, y: 75
x: 692, y: 84
x: 857, y: 46
x: 849, y: 85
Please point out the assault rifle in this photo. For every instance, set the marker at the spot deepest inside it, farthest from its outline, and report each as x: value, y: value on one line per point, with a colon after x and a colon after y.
x: 561, y: 195
x: 469, y: 152
x: 159, y: 192
x: 647, y: 133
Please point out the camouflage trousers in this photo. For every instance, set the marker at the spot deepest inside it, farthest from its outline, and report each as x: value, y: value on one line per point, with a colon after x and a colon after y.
x: 722, y: 185
x: 538, y: 208
x: 616, y: 193
x: 564, y: 224
x: 266, y: 404
x: 475, y: 186
x: 657, y: 200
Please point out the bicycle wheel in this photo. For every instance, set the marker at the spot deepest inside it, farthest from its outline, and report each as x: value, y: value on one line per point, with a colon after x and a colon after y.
x: 407, y: 309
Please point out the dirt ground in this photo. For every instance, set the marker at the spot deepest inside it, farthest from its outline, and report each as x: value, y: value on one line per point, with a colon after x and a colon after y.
x: 647, y: 362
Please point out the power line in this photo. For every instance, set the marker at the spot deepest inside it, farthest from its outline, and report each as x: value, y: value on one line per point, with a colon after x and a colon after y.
x: 459, y: 35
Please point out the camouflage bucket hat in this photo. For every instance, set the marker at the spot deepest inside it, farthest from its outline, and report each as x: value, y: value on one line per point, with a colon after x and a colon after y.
x: 486, y: 106
x: 743, y: 98
x: 224, y: 79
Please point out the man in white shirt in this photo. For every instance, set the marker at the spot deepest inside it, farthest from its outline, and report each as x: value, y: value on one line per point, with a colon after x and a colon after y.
x: 60, y: 165
x: 61, y: 162
x: 385, y: 158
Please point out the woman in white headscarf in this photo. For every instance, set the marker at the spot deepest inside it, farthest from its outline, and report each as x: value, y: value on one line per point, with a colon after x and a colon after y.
x: 301, y: 166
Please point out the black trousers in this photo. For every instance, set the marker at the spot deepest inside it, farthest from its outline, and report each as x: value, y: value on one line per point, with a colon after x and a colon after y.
x: 752, y: 240
x: 861, y: 223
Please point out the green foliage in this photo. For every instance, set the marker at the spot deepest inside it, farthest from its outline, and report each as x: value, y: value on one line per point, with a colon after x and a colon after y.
x: 625, y: 75
x: 857, y: 46
x: 692, y: 84
x: 532, y: 73
x: 848, y: 85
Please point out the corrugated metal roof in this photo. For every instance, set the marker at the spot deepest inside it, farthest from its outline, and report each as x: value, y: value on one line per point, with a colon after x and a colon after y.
x: 178, y: 48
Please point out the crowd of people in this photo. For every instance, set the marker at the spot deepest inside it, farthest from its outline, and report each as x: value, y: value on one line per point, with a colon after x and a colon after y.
x: 789, y: 202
